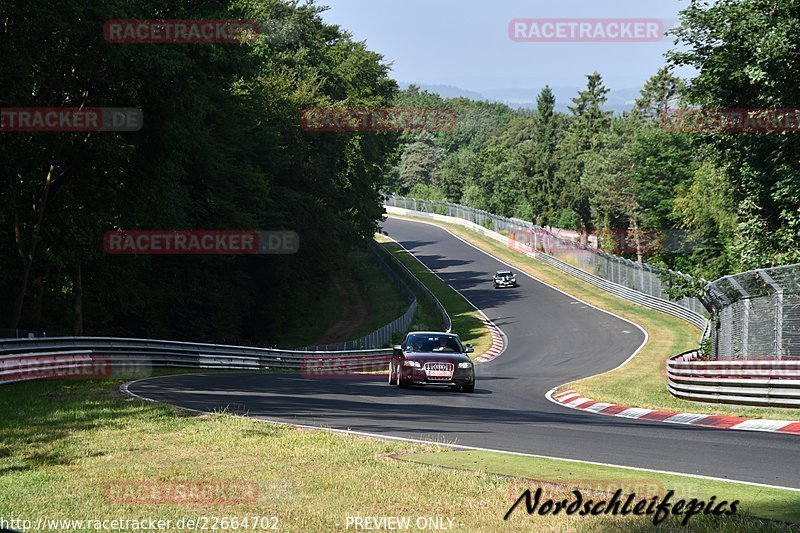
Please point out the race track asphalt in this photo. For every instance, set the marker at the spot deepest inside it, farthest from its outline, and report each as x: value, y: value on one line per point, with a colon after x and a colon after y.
x: 552, y: 339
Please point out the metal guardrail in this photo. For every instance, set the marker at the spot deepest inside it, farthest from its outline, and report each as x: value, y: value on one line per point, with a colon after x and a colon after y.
x: 24, y: 359
x: 27, y: 359
x: 774, y: 383
x: 447, y: 323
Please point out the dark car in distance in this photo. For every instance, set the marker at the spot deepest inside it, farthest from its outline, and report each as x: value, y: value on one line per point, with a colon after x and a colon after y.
x: 432, y: 358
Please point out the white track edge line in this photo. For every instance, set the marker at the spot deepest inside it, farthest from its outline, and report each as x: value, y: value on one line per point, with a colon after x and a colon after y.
x: 124, y: 388
x: 640, y: 328
x: 488, y: 320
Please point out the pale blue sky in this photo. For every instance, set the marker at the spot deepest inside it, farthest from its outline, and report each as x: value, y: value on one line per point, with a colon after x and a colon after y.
x: 466, y: 43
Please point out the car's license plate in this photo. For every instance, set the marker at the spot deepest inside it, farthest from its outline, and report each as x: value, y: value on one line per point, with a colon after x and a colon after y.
x: 439, y: 370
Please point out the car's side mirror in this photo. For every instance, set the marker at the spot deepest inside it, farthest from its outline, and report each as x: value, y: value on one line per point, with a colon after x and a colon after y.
x: 398, y: 347
x: 468, y: 349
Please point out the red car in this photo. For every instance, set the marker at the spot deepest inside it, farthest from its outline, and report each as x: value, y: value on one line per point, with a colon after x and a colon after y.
x: 432, y: 358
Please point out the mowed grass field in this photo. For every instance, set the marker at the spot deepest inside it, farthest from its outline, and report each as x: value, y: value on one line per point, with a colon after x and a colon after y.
x: 64, y: 443
x: 641, y: 382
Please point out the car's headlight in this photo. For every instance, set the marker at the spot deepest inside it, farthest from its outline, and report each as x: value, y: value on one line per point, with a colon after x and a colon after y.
x: 415, y: 364
x: 466, y: 364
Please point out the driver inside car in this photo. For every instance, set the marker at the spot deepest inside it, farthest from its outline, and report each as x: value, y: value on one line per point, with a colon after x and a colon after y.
x: 417, y: 346
x: 444, y: 345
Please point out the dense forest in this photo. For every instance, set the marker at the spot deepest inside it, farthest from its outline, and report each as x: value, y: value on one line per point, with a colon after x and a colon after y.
x: 223, y: 148
x: 724, y: 201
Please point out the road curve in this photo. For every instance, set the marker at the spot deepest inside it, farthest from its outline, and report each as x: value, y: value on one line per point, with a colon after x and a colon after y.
x: 552, y: 339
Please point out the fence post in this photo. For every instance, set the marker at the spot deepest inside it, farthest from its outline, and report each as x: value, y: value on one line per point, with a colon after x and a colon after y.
x: 641, y: 277
x: 778, y: 312
x: 779, y: 324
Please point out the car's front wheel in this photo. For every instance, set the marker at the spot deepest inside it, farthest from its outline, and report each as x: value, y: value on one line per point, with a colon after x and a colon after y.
x: 401, y: 383
x: 468, y: 388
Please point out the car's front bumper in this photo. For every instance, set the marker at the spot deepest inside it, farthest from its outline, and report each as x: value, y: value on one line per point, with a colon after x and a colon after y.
x: 461, y: 377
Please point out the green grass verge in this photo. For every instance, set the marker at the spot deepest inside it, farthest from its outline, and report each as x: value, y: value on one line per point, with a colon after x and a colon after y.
x: 427, y: 317
x: 642, y: 382
x: 62, y: 443
x: 466, y: 320
x: 385, y: 301
x: 325, y: 311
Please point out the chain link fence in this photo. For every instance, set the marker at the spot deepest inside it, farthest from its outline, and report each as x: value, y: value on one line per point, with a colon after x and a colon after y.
x: 756, y: 314
x: 640, y: 277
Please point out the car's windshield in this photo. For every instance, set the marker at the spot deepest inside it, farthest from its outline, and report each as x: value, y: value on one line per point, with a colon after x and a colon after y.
x: 420, y: 343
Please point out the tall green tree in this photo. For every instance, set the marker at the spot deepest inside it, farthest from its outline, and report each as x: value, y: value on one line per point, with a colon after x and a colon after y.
x: 660, y: 94
x: 705, y: 210
x: 745, y: 55
x: 420, y: 163
x: 587, y: 123
x: 539, y: 162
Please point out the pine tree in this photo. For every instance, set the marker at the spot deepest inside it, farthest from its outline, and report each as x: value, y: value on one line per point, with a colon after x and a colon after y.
x: 659, y: 94
x: 588, y: 121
